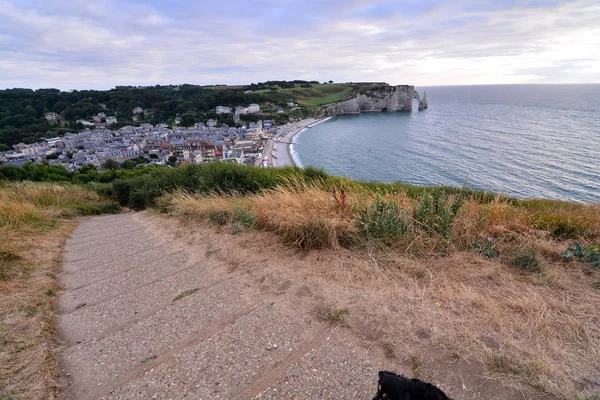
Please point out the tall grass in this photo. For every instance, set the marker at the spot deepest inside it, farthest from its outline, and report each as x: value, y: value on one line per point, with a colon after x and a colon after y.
x: 329, y: 213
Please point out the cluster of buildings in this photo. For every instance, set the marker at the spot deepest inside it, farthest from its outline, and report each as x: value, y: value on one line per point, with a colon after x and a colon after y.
x: 158, y: 144
x: 239, y: 110
x: 100, y: 120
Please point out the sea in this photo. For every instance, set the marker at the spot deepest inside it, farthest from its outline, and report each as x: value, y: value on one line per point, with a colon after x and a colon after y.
x: 524, y: 141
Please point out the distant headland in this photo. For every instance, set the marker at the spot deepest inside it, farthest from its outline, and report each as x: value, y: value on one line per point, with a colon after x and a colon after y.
x: 375, y: 98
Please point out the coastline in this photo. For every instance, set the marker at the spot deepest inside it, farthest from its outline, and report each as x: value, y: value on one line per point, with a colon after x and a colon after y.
x: 281, y: 152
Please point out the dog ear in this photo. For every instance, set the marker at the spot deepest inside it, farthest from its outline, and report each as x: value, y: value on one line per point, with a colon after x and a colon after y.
x: 381, y: 374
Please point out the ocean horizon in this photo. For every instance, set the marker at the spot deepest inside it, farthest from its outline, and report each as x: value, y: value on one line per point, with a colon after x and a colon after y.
x: 525, y: 141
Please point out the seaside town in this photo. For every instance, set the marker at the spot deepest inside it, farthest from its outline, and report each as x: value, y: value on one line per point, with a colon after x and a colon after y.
x: 246, y: 143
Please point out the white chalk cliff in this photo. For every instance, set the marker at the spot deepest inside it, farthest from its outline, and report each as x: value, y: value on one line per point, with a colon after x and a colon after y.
x: 376, y: 99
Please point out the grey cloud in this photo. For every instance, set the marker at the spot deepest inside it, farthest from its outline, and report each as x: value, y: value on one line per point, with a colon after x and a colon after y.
x: 83, y: 45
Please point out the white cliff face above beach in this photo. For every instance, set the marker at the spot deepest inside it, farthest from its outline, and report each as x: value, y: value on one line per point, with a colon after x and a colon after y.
x: 376, y: 99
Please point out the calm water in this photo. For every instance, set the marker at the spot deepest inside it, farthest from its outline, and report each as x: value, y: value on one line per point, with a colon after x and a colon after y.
x: 527, y: 141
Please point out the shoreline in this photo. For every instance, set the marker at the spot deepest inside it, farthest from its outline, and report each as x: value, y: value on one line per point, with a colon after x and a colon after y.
x: 281, y: 151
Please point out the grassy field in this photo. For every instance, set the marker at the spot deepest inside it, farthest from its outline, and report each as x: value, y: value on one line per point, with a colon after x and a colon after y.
x: 512, y: 284
x: 35, y: 220
x: 318, y: 94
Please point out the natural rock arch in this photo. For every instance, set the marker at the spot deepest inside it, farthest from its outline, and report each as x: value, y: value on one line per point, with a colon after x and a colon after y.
x: 422, y: 105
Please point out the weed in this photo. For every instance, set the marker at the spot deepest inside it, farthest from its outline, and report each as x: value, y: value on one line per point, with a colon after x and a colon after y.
x: 186, y: 293
x: 210, y: 250
x: 50, y: 293
x: 383, y: 221
x: 526, y: 260
x: 8, y: 254
x: 488, y: 247
x: 415, y: 365
x: 389, y: 350
x: 335, y: 316
x: 242, y: 216
x: 5, y: 271
x: 504, y: 364
x: 590, y: 254
x: 220, y: 217
x: 232, y: 265
x: 435, y: 211
x: 149, y: 358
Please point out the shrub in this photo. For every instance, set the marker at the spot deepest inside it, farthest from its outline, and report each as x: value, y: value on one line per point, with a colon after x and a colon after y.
x: 382, y: 221
x: 435, y: 211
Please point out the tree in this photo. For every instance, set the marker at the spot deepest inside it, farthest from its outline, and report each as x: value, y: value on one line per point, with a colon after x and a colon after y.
x: 129, y: 164
x: 111, y: 164
x: 330, y: 81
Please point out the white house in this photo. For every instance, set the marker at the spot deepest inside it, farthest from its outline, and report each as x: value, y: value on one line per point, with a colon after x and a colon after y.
x: 239, y: 110
x: 111, y: 120
x: 178, y: 120
x: 279, y: 110
x: 223, y: 110
x: 84, y: 122
x: 51, y: 116
x: 137, y: 110
x: 253, y: 108
x: 211, y: 123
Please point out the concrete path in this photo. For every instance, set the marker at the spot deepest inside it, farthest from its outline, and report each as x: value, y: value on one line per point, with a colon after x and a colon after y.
x: 125, y: 336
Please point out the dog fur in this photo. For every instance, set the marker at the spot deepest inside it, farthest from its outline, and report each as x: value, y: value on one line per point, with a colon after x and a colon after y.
x: 397, y: 387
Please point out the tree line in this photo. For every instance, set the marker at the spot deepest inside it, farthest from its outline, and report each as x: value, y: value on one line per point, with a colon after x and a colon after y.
x: 22, y: 111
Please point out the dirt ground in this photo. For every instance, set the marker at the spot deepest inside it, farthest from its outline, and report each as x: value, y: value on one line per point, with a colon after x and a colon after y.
x: 155, y: 309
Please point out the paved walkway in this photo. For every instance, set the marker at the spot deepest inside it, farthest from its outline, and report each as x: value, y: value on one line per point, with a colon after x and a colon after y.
x: 125, y: 336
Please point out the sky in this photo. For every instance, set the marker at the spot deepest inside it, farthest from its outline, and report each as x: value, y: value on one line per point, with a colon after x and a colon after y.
x: 101, y: 44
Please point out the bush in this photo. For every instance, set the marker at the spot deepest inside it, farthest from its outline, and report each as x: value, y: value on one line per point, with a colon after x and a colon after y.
x: 142, y: 191
x: 383, y: 221
x: 436, y: 210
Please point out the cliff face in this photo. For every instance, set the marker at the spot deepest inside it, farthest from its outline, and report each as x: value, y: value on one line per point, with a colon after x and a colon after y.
x: 376, y: 99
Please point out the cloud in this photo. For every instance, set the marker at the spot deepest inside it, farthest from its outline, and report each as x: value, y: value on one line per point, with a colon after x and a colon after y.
x: 80, y: 44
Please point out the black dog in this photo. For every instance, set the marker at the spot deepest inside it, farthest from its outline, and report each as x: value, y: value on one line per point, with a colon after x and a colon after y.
x: 397, y: 387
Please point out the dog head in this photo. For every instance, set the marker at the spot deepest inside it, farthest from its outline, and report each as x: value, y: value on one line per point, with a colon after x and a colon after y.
x: 384, y: 389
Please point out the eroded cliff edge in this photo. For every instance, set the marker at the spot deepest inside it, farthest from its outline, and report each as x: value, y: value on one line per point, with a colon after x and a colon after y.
x: 376, y: 99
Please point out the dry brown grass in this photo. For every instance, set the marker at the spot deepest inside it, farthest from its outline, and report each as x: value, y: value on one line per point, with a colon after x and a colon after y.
x: 34, y: 224
x: 538, y: 326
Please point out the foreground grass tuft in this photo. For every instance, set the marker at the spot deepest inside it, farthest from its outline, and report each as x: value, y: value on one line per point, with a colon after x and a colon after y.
x: 526, y: 260
x: 335, y: 316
